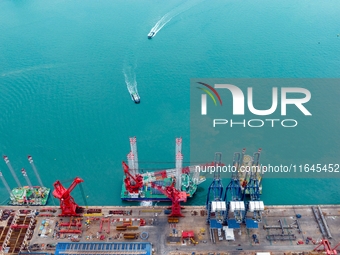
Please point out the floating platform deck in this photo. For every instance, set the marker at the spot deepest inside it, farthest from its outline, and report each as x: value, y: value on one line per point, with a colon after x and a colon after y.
x: 36, y: 196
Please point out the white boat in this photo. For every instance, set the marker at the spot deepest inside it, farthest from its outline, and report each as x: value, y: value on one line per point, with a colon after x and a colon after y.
x: 151, y: 34
x: 135, y: 97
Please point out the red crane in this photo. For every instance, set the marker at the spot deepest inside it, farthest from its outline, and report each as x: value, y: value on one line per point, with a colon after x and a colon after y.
x: 176, y: 197
x: 67, y: 204
x: 327, y: 247
x: 132, y: 183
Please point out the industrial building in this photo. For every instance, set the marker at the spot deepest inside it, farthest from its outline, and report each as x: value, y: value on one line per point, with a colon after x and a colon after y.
x: 128, y: 248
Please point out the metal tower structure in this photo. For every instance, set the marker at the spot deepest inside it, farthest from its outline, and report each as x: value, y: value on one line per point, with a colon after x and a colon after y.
x: 257, y: 166
x: 30, y: 159
x: 234, y: 187
x: 12, y: 171
x: 23, y: 171
x: 178, y: 145
x: 253, y: 185
x: 234, y: 194
x: 131, y: 163
x: 255, y: 205
x: 215, y: 192
x: 179, y: 163
x: 133, y: 145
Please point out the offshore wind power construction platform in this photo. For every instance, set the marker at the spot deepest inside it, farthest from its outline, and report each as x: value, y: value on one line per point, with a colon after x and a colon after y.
x: 137, y: 185
x: 28, y: 194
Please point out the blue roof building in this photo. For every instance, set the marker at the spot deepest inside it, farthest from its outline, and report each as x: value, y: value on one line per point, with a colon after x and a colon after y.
x: 89, y: 248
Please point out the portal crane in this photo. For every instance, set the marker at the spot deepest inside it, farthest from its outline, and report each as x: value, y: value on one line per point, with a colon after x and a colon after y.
x: 255, y: 205
x: 175, y: 196
x: 132, y: 183
x: 326, y: 247
x: 215, y: 192
x: 216, y: 187
x: 234, y: 194
x: 67, y: 204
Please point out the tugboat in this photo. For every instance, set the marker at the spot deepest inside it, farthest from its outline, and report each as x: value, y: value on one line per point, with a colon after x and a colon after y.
x: 135, y: 97
x: 151, y: 34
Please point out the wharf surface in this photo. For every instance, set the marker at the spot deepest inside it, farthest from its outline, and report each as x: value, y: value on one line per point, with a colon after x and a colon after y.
x: 44, y: 237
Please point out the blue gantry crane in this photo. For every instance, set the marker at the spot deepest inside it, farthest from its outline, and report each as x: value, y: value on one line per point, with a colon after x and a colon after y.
x: 215, y: 190
x: 214, y: 204
x: 216, y: 207
x: 253, y: 189
x: 242, y: 195
x: 234, y: 195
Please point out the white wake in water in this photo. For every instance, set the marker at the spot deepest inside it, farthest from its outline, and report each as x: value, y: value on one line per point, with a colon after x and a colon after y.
x: 28, y: 69
x: 130, y: 79
x: 161, y: 23
x: 170, y: 15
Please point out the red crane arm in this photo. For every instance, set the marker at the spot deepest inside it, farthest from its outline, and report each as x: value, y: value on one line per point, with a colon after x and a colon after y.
x: 126, y: 171
x: 61, y: 192
x: 171, y: 192
x: 176, y: 198
x: 160, y: 188
x: 75, y: 182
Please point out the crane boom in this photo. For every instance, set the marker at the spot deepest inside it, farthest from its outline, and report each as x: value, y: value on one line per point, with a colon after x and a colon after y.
x: 76, y: 181
x: 67, y: 204
x: 175, y: 195
x: 127, y: 171
x: 61, y: 192
x: 132, y: 182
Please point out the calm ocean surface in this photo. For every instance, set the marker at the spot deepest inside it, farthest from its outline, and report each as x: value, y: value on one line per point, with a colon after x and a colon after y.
x: 64, y: 99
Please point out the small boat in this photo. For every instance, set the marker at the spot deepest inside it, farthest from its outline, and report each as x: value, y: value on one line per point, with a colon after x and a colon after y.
x: 151, y: 34
x: 6, y: 159
x: 135, y: 97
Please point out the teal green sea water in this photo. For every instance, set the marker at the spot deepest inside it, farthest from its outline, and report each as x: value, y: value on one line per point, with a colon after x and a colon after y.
x: 64, y: 99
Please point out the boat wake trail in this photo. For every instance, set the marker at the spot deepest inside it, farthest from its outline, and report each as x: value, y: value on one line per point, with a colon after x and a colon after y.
x: 130, y: 79
x: 170, y: 15
x: 131, y: 83
x: 28, y: 69
x: 161, y: 23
